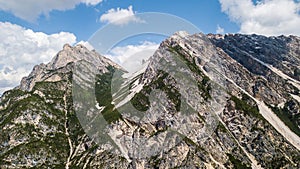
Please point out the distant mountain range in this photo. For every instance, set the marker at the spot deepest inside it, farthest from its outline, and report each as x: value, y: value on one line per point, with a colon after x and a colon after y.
x: 201, y: 101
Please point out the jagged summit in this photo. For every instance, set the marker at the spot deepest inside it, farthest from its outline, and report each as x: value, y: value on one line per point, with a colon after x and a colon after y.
x: 78, y: 52
x: 62, y: 63
x: 180, y: 34
x: 67, y: 46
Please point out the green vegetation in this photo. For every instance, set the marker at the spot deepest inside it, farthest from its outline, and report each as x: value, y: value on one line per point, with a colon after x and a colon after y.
x: 141, y: 101
x: 55, y: 148
x: 31, y: 102
x: 278, y: 162
x: 158, y: 132
x: 256, y: 128
x: 296, y: 72
x: 103, y: 87
x: 191, y: 64
x: 221, y: 128
x: 74, y: 127
x: 110, y: 114
x: 51, y: 89
x: 155, y: 161
x: 288, y: 119
x: 243, y: 105
x: 104, y: 96
x: 237, y: 163
x: 204, y: 85
x: 138, y: 77
x: 190, y: 142
x: 52, y: 146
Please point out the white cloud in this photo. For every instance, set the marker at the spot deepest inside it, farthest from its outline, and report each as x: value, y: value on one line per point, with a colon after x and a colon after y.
x: 131, y: 57
x: 267, y: 17
x: 21, y: 49
x: 91, y: 2
x: 120, y: 16
x: 30, y: 9
x: 220, y: 30
x: 86, y: 44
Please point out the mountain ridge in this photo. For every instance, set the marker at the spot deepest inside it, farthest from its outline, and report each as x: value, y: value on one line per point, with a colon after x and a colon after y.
x: 235, y: 97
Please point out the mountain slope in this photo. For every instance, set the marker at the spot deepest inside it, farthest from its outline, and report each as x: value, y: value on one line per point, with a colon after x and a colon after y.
x: 203, y: 101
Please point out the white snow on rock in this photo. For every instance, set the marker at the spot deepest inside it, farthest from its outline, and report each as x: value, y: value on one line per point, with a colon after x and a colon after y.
x: 296, y: 97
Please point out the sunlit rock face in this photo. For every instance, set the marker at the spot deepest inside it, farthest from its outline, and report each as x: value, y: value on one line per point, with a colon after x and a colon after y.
x: 202, y: 101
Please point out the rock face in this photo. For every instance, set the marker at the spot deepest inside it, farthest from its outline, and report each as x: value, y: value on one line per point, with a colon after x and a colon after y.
x: 59, y: 65
x: 203, y: 101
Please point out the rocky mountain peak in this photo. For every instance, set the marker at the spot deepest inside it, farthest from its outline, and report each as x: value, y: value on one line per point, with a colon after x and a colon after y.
x: 67, y: 46
x: 215, y: 36
x: 179, y: 35
x: 72, y: 54
x: 62, y: 63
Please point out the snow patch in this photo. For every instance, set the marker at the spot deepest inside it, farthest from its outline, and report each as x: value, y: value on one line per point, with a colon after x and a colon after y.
x: 41, y: 94
x: 296, y: 97
x: 133, y: 91
x: 292, y: 81
x: 281, y: 105
x: 270, y: 116
x: 99, y: 107
x: 274, y: 120
x: 130, y: 76
x: 136, y: 86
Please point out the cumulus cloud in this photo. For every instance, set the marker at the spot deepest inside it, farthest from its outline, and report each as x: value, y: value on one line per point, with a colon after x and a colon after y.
x: 219, y: 30
x: 267, y: 17
x: 131, y: 57
x: 30, y: 9
x: 21, y: 49
x: 120, y: 16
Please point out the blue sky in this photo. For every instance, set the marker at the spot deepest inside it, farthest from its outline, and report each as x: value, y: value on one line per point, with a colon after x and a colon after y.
x: 83, y: 20
x: 33, y: 31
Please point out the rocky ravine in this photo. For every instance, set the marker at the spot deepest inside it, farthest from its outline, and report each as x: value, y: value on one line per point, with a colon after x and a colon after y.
x: 225, y: 101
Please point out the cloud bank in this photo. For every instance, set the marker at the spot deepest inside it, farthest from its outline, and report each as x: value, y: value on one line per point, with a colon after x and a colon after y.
x: 30, y: 10
x: 21, y: 49
x: 131, y: 57
x: 267, y: 17
x: 120, y: 16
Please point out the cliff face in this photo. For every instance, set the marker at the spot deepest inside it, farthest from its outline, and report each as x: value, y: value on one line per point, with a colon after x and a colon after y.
x: 203, y: 101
